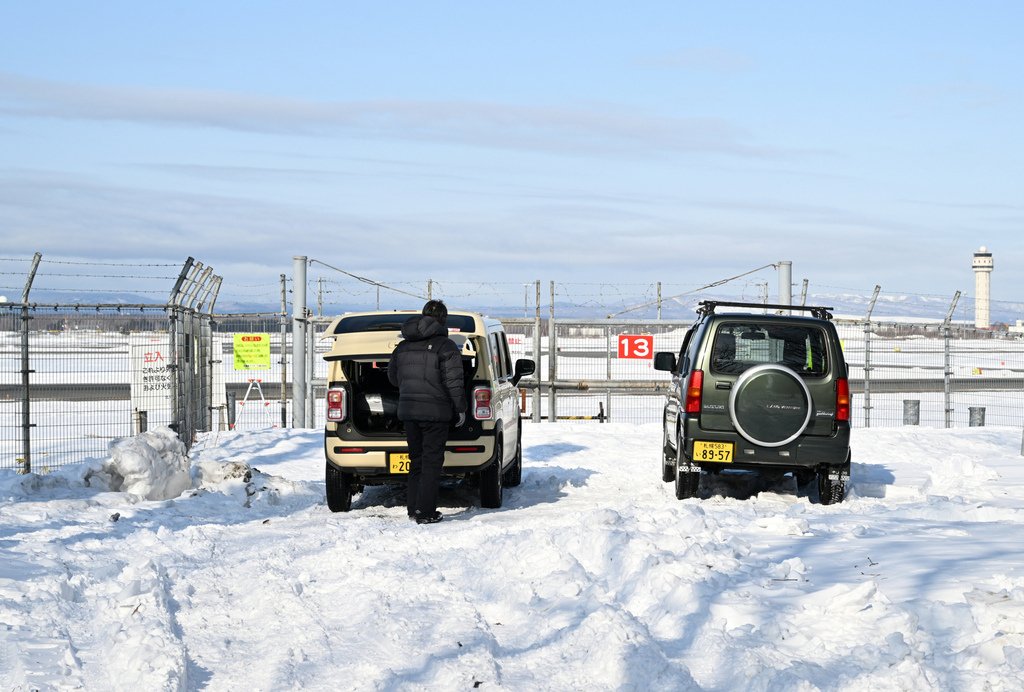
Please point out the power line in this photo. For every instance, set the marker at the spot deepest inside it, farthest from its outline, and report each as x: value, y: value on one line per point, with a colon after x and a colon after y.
x: 366, y: 280
x: 702, y: 288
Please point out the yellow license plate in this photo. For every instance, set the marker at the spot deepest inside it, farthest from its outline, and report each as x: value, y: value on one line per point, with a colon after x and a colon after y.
x: 398, y: 463
x: 720, y: 452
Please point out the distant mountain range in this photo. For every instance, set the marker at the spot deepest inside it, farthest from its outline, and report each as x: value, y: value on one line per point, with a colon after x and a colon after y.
x: 846, y: 305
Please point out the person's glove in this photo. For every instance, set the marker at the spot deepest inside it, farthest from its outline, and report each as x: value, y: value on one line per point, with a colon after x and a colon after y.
x: 461, y: 420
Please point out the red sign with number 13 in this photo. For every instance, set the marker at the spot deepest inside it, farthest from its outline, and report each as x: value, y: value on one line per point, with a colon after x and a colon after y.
x: 636, y: 346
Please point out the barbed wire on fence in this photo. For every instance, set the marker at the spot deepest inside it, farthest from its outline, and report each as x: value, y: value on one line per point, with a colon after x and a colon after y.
x: 332, y: 290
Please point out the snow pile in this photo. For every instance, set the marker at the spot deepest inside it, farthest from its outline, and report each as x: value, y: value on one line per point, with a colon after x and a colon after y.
x: 152, y: 465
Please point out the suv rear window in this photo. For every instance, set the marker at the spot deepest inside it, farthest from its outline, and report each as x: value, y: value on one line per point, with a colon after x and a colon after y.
x: 742, y: 345
x: 393, y: 322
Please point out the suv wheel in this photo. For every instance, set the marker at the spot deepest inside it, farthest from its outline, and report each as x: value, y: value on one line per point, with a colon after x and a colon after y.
x: 687, y: 482
x: 339, y: 489
x: 514, y: 476
x: 832, y: 483
x: 490, y: 481
x: 668, y: 459
x: 770, y: 405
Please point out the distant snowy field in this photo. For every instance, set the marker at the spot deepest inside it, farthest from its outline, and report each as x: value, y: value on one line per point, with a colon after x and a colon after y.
x: 592, y: 577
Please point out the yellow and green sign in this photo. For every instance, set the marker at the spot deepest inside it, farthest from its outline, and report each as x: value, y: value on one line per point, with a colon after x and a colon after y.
x: 252, y: 351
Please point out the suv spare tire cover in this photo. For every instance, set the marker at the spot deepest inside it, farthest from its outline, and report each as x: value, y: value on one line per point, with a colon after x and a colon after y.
x: 770, y: 405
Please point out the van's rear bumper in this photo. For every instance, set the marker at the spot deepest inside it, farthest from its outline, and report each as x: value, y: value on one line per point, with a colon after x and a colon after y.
x: 369, y: 460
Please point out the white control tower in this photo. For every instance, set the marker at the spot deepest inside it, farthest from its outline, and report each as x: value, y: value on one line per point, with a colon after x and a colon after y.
x: 982, y: 266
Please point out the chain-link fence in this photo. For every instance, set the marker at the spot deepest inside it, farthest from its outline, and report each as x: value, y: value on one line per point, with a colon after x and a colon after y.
x: 76, y: 376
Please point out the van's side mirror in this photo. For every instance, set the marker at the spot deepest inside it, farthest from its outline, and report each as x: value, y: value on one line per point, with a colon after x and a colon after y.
x: 665, y: 360
x: 524, y: 367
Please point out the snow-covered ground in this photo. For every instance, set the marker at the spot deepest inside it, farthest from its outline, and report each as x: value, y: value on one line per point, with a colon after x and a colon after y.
x: 592, y: 577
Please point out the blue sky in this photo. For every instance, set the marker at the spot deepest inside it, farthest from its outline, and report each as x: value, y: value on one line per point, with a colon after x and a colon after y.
x: 585, y: 143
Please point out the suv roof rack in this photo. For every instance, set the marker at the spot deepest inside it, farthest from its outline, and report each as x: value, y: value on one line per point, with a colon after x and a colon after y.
x: 707, y: 307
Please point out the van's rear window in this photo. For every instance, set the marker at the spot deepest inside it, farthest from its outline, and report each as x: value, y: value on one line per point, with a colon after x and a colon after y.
x: 386, y: 322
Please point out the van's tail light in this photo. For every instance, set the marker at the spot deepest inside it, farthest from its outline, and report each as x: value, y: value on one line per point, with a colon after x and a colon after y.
x: 694, y: 386
x: 337, y: 410
x: 482, y: 403
x: 842, y: 399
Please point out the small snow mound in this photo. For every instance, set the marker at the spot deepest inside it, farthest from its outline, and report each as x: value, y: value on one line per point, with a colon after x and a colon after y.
x: 952, y: 475
x: 207, y: 473
x: 151, y: 465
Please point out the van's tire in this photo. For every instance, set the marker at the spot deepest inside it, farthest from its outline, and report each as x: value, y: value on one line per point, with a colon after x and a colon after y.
x: 770, y: 405
x: 514, y: 476
x: 833, y: 490
x: 491, y: 481
x: 668, y: 460
x: 687, y: 482
x: 339, y: 489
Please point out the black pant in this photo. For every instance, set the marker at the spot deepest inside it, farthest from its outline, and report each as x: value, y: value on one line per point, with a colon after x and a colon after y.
x: 426, y: 456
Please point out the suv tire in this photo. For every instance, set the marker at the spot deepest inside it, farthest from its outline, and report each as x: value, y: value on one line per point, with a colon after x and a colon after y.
x: 687, y: 482
x: 830, y: 489
x: 339, y: 489
x: 770, y: 405
x: 491, y: 481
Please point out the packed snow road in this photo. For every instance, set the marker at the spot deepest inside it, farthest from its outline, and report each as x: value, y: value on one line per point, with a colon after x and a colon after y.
x: 593, y: 576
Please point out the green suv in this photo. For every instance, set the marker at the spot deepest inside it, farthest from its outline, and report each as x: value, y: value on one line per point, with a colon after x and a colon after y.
x: 754, y: 390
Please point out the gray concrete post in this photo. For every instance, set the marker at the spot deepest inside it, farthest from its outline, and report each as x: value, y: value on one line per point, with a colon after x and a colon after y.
x: 911, y: 412
x: 976, y: 416
x: 785, y: 282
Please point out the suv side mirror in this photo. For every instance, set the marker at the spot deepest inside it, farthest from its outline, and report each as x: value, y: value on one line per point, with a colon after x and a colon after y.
x: 665, y: 360
x: 524, y: 367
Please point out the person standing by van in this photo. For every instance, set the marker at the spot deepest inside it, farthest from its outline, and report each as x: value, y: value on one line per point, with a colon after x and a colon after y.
x: 426, y: 366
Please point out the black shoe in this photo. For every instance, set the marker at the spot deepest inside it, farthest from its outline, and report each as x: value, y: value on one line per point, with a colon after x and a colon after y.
x: 430, y: 518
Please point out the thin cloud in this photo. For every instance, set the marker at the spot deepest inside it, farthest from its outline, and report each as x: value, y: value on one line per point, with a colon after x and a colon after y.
x: 700, y: 59
x: 484, y: 124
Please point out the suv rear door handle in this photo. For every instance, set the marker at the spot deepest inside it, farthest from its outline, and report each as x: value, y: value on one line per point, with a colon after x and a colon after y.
x: 723, y: 385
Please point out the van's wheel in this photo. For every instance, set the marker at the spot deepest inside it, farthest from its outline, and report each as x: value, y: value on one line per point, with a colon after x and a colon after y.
x: 490, y: 481
x: 339, y: 489
x: 687, y: 482
x: 514, y: 476
x: 832, y: 483
x: 668, y: 459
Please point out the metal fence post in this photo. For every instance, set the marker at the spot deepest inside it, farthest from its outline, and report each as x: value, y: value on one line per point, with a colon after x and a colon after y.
x: 947, y: 374
x: 311, y: 375
x: 299, y: 342
x: 536, y: 356
x: 867, y: 374
x: 172, y: 365
x: 26, y: 399
x: 867, y: 357
x: 284, y: 354
x: 552, y: 361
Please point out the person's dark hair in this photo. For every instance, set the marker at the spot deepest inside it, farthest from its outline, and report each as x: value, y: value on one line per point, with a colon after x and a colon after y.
x: 437, y: 310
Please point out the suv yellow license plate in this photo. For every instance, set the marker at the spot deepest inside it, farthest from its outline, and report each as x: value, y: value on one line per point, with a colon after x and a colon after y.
x: 398, y: 463
x: 720, y: 452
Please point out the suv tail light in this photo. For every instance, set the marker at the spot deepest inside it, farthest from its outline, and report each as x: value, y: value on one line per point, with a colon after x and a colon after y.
x: 842, y: 399
x: 694, y: 386
x: 337, y: 410
x: 482, y: 403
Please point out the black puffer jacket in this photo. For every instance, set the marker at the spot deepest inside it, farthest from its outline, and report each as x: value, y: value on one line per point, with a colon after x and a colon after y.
x: 427, y: 369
